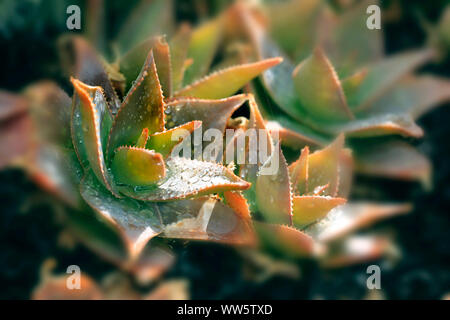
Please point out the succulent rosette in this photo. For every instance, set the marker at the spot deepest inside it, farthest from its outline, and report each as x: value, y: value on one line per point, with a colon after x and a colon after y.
x: 335, y: 78
x: 109, y: 150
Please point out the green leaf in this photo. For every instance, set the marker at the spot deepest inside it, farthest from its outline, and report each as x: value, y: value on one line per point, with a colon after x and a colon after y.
x: 290, y: 138
x: 143, y: 138
x: 293, y: 24
x: 348, y: 41
x: 137, y: 167
x: 188, y: 178
x: 93, y: 115
x: 308, y: 209
x: 164, y: 142
x: 319, y: 90
x: 212, y: 113
x: 148, y: 18
x: 179, y: 46
x: 204, y: 43
x: 351, y: 84
x: 277, y: 80
x: 379, y: 125
x: 414, y: 95
x: 250, y: 170
x: 298, y: 172
x: 131, y: 63
x: 384, y: 74
x: 323, y: 169
x: 226, y: 82
x: 135, y: 221
x: 273, y: 189
x: 163, y: 62
x: 143, y: 107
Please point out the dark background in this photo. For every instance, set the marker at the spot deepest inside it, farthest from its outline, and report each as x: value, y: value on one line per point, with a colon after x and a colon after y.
x: 28, y: 233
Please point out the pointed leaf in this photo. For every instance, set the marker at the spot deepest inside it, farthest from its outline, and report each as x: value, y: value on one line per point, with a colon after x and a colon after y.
x: 346, y: 173
x: 204, y: 42
x: 188, y: 178
x: 142, y: 141
x: 164, y: 142
x: 212, y: 113
x: 290, y: 138
x: 298, y: 171
x: 273, y: 189
x: 84, y: 64
x: 143, y: 107
x: 379, y: 125
x: 277, y: 80
x: 287, y: 240
x: 351, y: 84
x: 394, y: 159
x: 323, y: 167
x: 137, y: 167
x: 356, y: 250
x: 262, y: 149
x: 50, y: 109
x: 136, y: 222
x: 57, y: 171
x: 179, y: 46
x: 161, y: 52
x: 308, y: 209
x: 414, y: 95
x: 383, y: 75
x: 236, y: 201
x: 101, y: 237
x: 93, y: 113
x: 226, y: 82
x: 350, y: 217
x: 292, y: 24
x: 319, y: 89
x: 131, y: 63
x: 349, y: 42
x: 148, y: 18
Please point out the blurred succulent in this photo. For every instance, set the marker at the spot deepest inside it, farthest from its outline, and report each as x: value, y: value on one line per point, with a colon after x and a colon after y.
x: 113, y: 286
x: 346, y: 85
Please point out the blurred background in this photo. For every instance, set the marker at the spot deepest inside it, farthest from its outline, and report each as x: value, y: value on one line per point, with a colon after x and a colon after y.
x: 30, y: 233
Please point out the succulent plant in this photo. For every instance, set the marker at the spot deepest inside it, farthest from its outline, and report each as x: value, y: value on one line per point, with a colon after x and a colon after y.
x: 107, y: 151
x: 343, y: 83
